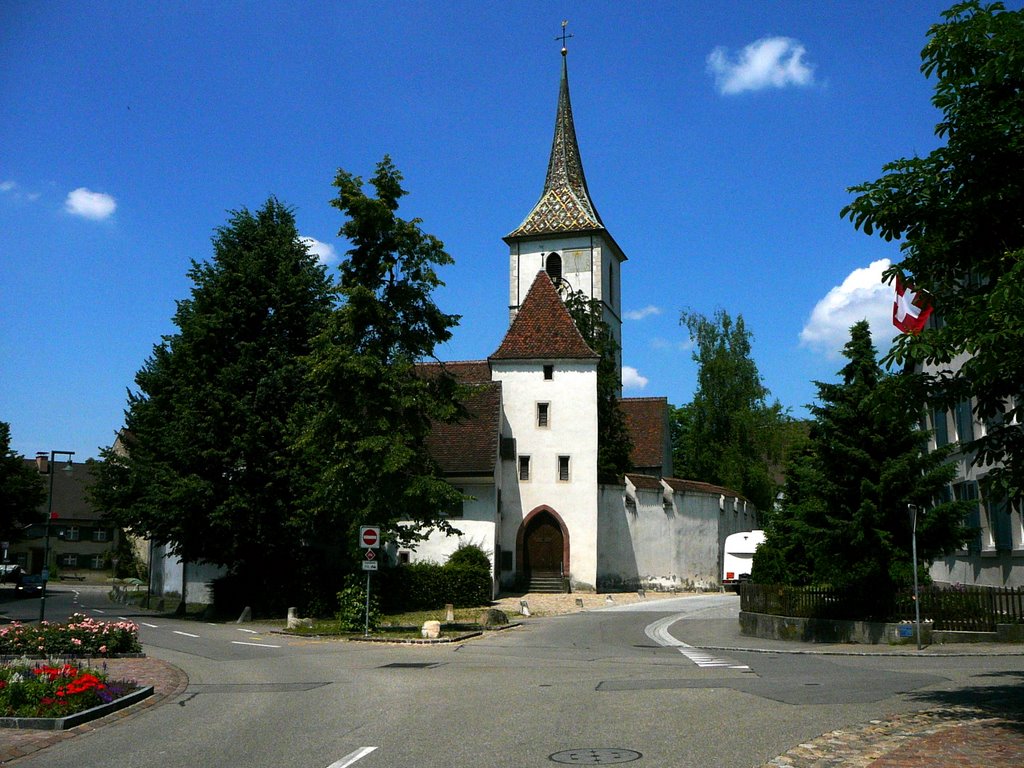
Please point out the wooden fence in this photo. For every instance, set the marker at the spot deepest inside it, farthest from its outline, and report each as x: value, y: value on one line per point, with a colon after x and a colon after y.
x: 976, y: 609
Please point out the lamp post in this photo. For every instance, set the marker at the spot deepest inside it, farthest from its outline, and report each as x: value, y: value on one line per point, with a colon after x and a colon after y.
x: 47, y: 468
x: 912, y: 511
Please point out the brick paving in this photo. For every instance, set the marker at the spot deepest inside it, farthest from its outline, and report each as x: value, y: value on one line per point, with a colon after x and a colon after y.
x: 941, y: 737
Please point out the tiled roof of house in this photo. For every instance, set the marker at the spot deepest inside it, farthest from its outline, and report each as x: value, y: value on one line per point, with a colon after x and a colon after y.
x: 469, y: 447
x: 565, y: 204
x: 646, y: 422
x: 693, y: 486
x: 543, y: 329
x: 463, y: 371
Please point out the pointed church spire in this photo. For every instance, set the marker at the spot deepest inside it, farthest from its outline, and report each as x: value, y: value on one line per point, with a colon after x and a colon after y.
x: 565, y: 204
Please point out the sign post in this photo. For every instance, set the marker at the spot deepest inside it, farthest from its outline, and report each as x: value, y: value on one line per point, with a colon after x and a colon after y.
x: 369, y: 539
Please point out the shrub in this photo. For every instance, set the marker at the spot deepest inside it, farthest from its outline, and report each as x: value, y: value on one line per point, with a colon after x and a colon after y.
x: 427, y: 586
x: 469, y: 556
x: 351, y: 613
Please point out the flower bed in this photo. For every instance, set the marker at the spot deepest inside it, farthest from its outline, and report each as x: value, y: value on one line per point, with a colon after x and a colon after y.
x: 44, y: 690
x: 79, y: 636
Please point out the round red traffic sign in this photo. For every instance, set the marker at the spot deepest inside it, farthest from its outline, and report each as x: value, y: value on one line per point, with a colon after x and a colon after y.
x: 369, y: 536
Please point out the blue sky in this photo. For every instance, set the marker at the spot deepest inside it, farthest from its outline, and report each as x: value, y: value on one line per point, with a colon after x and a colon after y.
x: 718, y: 141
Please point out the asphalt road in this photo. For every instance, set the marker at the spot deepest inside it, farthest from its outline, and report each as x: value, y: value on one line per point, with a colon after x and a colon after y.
x: 628, y: 683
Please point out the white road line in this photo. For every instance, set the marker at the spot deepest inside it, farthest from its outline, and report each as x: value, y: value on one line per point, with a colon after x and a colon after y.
x: 151, y: 626
x: 249, y: 631
x: 349, y: 759
x: 98, y: 610
x: 658, y: 632
x: 186, y: 634
x: 258, y: 645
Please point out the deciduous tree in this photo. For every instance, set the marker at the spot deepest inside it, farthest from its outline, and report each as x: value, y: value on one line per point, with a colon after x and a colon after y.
x: 21, y: 489
x: 958, y: 212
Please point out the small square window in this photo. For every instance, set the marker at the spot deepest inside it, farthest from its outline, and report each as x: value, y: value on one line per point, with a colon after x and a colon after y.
x: 549, y: 372
x: 563, y: 469
x: 99, y: 534
x: 524, y: 467
x: 404, y: 557
x: 72, y: 533
x: 96, y: 563
x: 543, y: 415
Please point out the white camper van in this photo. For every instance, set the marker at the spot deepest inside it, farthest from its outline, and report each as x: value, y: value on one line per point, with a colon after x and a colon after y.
x: 739, y: 557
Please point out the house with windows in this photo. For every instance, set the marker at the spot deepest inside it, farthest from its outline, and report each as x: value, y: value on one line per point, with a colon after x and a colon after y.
x: 994, y: 557
x: 525, y: 457
x: 81, y: 542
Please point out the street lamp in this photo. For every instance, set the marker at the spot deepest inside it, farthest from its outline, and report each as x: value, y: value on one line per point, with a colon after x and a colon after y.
x: 46, y: 467
x: 912, y: 511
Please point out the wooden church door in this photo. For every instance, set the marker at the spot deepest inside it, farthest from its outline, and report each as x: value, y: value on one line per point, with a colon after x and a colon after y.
x: 543, y: 547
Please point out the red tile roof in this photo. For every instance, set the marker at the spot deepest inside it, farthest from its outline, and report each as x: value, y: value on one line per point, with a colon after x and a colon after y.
x: 543, y: 329
x: 647, y: 422
x: 463, y: 371
x: 644, y: 482
x: 469, y: 447
x: 693, y: 486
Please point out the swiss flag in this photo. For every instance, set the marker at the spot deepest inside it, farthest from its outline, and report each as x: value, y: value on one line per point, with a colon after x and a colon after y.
x: 911, y: 309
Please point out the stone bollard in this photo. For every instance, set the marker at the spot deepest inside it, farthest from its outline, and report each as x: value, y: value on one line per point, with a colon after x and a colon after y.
x: 431, y: 630
x: 294, y: 622
x: 449, y: 612
x: 246, y: 615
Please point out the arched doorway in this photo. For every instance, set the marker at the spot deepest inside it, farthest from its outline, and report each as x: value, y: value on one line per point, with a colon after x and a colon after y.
x: 544, y: 551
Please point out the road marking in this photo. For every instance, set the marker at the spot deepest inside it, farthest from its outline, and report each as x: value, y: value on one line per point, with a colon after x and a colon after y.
x: 658, y: 632
x: 151, y: 626
x: 258, y: 645
x: 349, y: 759
x: 186, y: 634
x: 98, y: 610
x: 250, y: 631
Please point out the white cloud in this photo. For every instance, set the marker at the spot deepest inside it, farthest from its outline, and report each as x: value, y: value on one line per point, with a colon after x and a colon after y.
x: 631, y: 378
x: 679, y: 346
x: 8, y: 186
x: 640, y: 314
x: 90, y: 205
x: 861, y: 296
x: 771, y: 62
x: 323, y: 251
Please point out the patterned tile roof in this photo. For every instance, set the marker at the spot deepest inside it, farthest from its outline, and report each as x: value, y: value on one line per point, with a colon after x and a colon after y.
x: 565, y: 204
x: 470, y: 447
x: 644, y: 482
x: 543, y: 329
x: 647, y: 422
x: 463, y: 371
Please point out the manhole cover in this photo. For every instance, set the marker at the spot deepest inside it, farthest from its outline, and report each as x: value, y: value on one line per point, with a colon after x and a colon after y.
x: 595, y: 756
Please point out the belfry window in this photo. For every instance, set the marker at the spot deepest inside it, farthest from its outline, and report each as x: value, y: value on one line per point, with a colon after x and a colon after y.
x: 553, y: 266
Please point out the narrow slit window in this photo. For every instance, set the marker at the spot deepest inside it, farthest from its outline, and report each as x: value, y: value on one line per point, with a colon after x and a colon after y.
x: 524, y: 467
x: 543, y: 415
x: 563, y: 469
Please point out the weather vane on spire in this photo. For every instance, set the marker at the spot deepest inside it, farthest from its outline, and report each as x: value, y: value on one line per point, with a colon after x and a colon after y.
x: 563, y: 37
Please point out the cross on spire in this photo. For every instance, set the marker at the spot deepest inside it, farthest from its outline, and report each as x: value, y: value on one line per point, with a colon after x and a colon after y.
x: 563, y: 37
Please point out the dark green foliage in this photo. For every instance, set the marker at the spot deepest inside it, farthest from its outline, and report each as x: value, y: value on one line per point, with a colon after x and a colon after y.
x: 206, y: 465
x: 614, y: 444
x: 958, y: 214
x: 351, y: 613
x: 428, y: 586
x: 469, y: 556
x: 22, y: 490
x: 844, y: 521
x: 729, y: 435
x: 364, y: 435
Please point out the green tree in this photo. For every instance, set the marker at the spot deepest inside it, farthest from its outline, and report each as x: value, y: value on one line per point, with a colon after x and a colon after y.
x: 21, y: 489
x: 958, y: 214
x: 365, y: 439
x: 614, y: 444
x: 731, y: 434
x: 844, y: 519
x: 205, y: 464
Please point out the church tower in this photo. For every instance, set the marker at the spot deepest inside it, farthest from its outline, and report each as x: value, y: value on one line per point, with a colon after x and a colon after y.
x: 563, y: 235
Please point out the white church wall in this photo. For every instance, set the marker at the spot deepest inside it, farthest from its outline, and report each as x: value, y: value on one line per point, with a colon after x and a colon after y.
x: 477, y: 525
x: 571, y: 431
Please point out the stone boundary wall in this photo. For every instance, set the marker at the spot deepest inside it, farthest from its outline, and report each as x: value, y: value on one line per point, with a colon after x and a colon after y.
x: 865, y: 632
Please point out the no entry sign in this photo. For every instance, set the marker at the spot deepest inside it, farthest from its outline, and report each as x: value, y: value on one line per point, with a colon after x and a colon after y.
x: 369, y: 537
